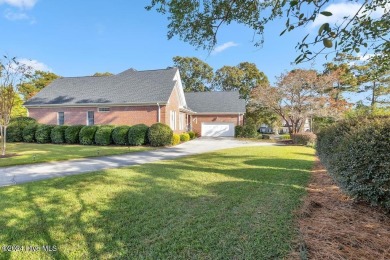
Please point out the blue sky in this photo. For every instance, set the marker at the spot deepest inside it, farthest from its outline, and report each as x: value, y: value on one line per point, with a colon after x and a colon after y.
x: 77, y: 38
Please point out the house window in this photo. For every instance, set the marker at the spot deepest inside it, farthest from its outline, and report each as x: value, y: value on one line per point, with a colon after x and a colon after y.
x: 90, y: 118
x: 182, y: 118
x: 173, y: 120
x: 60, y: 118
x: 103, y: 109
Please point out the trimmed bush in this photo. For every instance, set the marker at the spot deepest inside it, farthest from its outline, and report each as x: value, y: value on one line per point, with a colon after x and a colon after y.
x: 238, y: 131
x: 87, y: 134
x: 72, y: 134
x: 16, y: 126
x: 307, y: 138
x: 175, y: 139
x: 29, y: 133
x: 120, y: 135
x: 57, y: 134
x: 42, y: 135
x: 138, y: 135
x: 184, y: 137
x: 249, y: 131
x: 192, y: 135
x: 285, y: 137
x: 355, y: 153
x: 160, y: 135
x: 103, y: 135
x: 265, y: 136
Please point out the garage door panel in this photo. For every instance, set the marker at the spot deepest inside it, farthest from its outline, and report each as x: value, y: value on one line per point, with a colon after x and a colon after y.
x: 218, y: 129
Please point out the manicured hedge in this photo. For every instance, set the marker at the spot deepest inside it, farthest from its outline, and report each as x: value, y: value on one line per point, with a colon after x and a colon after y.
x: 184, y: 137
x: 192, y: 135
x: 306, y: 138
x: 42, y: 135
x: 138, y: 134
x: 238, y: 131
x: 246, y: 131
x: 160, y: 135
x: 175, y: 139
x: 57, y: 134
x: 29, y: 133
x: 103, y: 135
x: 72, y: 134
x: 120, y: 135
x: 87, y: 135
x: 356, y: 154
x: 16, y: 126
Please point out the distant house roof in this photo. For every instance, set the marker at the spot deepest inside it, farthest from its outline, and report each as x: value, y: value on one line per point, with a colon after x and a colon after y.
x: 215, y: 102
x: 128, y: 87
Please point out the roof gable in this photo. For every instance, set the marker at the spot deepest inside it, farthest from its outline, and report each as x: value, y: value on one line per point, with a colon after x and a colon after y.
x: 128, y: 87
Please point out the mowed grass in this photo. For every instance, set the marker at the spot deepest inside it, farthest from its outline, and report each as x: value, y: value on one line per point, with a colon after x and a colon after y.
x: 230, y: 204
x: 26, y: 153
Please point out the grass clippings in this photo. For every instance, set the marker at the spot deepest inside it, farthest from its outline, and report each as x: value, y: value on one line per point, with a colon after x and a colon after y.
x: 334, y: 226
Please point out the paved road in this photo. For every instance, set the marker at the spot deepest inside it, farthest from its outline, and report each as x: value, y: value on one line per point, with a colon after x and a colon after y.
x: 33, y: 172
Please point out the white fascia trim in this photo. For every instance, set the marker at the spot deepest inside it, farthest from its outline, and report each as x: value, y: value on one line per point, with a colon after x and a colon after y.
x: 220, y: 113
x: 179, y: 87
x: 99, y: 105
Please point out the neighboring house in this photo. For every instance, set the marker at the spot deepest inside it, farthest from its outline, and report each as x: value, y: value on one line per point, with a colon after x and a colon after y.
x: 135, y: 97
x: 283, y: 129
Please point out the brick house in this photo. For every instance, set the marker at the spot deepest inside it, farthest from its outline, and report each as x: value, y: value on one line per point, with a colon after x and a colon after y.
x: 134, y: 97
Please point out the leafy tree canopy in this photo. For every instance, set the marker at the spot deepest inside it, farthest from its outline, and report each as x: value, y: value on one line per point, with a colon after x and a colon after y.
x: 244, y: 77
x: 102, y: 74
x: 38, y: 81
x: 198, y: 22
x: 196, y: 75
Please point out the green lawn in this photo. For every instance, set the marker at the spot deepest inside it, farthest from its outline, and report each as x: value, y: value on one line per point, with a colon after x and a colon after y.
x: 231, y: 204
x: 35, y: 153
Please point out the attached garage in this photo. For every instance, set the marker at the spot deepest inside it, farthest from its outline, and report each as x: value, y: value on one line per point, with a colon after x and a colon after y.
x: 217, y: 129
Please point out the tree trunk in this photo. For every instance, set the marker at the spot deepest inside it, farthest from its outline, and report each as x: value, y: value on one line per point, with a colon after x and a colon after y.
x: 4, y: 140
x: 373, y: 95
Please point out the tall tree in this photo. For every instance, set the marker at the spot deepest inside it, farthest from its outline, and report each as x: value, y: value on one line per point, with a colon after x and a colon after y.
x: 374, y: 77
x: 196, y: 75
x: 18, y: 109
x: 198, y: 22
x: 36, y: 83
x: 299, y: 94
x: 244, y: 77
x: 11, y: 73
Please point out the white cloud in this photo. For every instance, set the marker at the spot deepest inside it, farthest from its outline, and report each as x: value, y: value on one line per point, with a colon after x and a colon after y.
x: 23, y: 4
x: 223, y: 47
x: 341, y: 10
x: 34, y: 64
x: 14, y: 16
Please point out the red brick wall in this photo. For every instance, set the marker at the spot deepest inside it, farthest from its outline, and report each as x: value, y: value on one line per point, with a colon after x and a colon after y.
x: 198, y: 119
x: 173, y: 105
x: 123, y: 115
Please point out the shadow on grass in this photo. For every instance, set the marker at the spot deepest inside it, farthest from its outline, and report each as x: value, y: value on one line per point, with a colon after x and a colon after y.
x: 185, y: 209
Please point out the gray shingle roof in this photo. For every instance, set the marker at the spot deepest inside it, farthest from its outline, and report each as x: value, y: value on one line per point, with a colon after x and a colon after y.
x: 130, y: 86
x: 217, y: 102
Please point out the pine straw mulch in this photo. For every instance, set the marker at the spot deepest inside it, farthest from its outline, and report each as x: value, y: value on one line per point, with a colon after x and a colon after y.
x: 333, y: 226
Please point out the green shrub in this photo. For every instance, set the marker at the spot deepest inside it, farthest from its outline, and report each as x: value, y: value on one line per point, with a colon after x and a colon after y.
x: 238, y: 131
x: 192, y: 135
x: 87, y: 134
x: 120, y: 135
x: 138, y: 135
x: 29, y: 133
x: 355, y: 152
x: 72, y: 134
x: 285, y: 137
x: 42, y: 135
x: 16, y: 126
x: 265, y: 136
x: 184, y: 137
x: 103, y: 135
x: 249, y: 131
x: 306, y: 138
x: 57, y: 134
x: 175, y: 139
x: 160, y: 135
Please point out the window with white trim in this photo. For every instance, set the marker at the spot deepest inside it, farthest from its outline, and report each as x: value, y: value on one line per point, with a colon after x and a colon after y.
x: 173, y: 120
x: 182, y: 119
x: 60, y: 118
x: 90, y: 118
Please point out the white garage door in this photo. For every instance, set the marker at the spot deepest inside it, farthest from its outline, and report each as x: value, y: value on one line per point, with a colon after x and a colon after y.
x: 217, y: 129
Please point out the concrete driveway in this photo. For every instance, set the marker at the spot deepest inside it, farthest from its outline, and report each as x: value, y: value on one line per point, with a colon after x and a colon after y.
x: 33, y: 172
